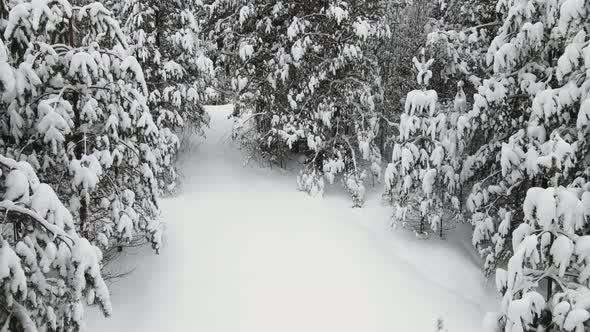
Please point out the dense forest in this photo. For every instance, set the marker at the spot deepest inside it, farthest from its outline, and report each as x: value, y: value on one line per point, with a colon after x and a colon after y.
x: 458, y: 112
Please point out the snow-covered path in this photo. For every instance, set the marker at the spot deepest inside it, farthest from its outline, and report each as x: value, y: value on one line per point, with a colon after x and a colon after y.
x: 245, y: 251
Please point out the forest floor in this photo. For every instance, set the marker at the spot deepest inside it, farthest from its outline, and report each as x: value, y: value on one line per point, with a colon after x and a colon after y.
x: 246, y: 252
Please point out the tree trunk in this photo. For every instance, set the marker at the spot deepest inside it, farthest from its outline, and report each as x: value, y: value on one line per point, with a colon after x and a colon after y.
x: 79, y: 140
x: 421, y: 225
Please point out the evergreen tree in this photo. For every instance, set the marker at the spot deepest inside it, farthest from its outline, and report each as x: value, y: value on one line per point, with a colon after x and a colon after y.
x: 407, y: 21
x: 458, y: 37
x: 531, y: 114
x: 165, y: 37
x: 522, y: 128
x: 77, y: 111
x: 529, y: 163
x: 306, y: 80
x: 48, y: 273
x: 423, y: 176
x: 546, y: 284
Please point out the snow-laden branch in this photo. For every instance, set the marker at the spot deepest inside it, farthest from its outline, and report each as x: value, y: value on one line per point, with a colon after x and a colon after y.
x: 9, y: 206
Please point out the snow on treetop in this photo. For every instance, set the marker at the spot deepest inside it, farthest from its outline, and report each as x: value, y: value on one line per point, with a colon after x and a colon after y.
x: 337, y: 12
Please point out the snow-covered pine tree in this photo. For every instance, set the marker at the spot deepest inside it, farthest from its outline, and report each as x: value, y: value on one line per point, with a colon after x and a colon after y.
x: 48, y: 273
x: 423, y: 176
x: 77, y: 111
x: 528, y: 117
x: 458, y: 39
x: 165, y: 37
x: 306, y: 80
x: 546, y: 284
x: 406, y: 20
x: 527, y: 137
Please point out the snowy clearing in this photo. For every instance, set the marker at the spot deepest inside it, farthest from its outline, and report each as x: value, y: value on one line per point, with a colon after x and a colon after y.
x: 262, y: 256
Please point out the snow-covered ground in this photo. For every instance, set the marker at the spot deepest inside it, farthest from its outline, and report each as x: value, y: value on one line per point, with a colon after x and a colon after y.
x: 245, y: 251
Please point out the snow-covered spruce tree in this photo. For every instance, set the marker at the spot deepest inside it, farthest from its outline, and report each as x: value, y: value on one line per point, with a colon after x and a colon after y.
x: 77, y: 111
x: 423, y: 176
x: 406, y: 20
x: 546, y: 284
x: 458, y: 38
x: 48, y: 273
x: 306, y: 81
x: 522, y: 127
x: 165, y: 38
x: 528, y: 131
